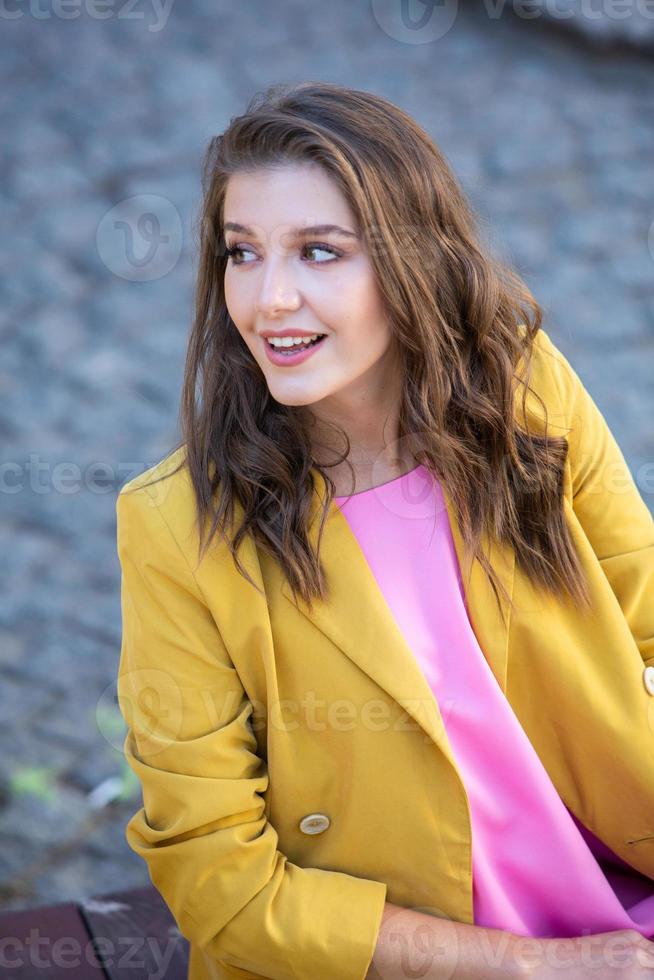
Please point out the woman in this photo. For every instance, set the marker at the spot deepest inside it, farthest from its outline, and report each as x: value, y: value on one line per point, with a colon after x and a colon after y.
x: 388, y: 609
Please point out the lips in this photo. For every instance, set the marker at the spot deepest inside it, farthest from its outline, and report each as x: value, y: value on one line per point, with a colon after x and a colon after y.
x: 285, y: 357
x: 288, y: 339
x: 294, y: 343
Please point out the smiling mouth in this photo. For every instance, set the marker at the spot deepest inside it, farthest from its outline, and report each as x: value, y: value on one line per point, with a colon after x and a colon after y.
x: 282, y: 345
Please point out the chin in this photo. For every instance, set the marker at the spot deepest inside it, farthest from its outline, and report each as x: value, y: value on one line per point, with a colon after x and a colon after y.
x: 293, y: 398
x: 299, y: 395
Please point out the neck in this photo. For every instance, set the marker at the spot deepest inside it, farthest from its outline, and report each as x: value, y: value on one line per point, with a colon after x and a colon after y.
x: 369, y: 415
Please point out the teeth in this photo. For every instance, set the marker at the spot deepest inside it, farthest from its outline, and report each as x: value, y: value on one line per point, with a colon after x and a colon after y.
x: 291, y: 341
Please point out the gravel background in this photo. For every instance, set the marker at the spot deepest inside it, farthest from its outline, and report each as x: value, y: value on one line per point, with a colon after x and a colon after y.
x: 551, y: 137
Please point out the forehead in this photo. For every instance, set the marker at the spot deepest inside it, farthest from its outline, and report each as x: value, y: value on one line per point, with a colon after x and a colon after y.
x: 295, y: 195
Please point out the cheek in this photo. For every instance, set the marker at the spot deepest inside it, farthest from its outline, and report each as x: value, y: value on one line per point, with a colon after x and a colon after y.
x: 369, y: 332
x: 238, y: 307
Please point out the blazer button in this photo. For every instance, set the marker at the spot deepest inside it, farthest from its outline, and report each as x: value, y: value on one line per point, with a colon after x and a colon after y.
x: 314, y: 823
x: 648, y: 679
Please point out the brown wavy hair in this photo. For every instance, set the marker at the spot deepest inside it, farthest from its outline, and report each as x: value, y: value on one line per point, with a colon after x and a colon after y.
x: 461, y: 321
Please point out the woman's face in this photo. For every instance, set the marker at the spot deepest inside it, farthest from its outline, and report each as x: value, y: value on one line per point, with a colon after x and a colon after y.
x: 285, y: 278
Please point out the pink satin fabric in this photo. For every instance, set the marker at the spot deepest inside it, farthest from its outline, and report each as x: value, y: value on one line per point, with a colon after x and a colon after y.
x: 537, y: 871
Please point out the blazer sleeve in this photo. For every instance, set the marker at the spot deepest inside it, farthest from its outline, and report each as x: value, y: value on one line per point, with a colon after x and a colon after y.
x: 202, y: 831
x: 609, y: 506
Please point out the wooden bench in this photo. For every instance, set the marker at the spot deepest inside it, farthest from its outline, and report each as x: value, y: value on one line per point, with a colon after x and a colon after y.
x: 117, y: 936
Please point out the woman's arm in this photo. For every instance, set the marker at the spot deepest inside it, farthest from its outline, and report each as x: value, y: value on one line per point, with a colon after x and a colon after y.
x: 413, y: 944
x: 202, y: 829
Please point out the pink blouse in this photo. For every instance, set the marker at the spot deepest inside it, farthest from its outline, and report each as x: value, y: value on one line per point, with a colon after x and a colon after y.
x: 537, y: 871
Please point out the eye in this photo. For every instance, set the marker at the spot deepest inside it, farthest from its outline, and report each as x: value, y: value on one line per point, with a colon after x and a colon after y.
x: 234, y: 252
x: 317, y: 247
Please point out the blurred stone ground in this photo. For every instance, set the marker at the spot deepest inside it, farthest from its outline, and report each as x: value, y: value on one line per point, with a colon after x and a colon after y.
x: 603, y: 23
x: 551, y: 138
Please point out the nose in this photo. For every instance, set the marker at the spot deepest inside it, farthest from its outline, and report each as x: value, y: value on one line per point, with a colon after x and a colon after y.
x: 277, y: 292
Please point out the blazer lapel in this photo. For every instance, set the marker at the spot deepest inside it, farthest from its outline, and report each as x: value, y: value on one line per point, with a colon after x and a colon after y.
x: 358, y: 620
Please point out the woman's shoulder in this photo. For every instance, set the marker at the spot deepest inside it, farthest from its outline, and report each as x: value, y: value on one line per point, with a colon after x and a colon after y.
x: 161, y: 503
x: 552, y: 384
x: 161, y: 493
x: 173, y: 467
x: 158, y: 529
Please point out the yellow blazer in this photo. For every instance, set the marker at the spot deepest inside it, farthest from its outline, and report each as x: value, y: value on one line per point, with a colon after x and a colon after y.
x: 295, y: 769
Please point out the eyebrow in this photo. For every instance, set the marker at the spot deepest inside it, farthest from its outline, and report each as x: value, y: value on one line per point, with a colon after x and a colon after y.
x: 299, y: 232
